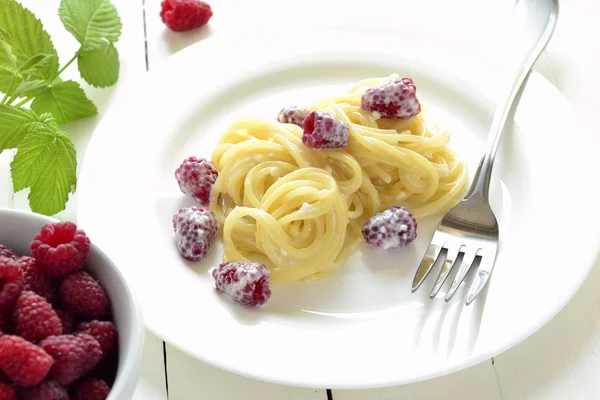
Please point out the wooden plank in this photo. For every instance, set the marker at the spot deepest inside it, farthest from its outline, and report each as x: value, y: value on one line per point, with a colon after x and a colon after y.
x: 190, y: 379
x: 562, y: 360
x: 152, y: 385
x: 475, y: 383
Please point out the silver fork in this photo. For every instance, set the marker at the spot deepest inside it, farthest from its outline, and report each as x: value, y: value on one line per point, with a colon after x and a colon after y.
x: 470, y: 228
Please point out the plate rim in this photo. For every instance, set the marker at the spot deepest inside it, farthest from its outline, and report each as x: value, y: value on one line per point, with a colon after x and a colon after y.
x: 196, y: 48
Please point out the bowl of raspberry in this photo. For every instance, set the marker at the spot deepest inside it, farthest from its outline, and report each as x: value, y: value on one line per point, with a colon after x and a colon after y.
x: 70, y: 327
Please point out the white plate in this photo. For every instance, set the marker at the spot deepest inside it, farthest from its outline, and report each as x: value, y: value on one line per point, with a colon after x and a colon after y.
x: 361, y: 327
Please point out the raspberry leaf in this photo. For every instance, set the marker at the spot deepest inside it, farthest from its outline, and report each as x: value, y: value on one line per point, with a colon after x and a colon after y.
x: 24, y: 34
x: 99, y: 67
x: 16, y: 123
x: 92, y: 22
x: 46, y: 163
x: 66, y: 101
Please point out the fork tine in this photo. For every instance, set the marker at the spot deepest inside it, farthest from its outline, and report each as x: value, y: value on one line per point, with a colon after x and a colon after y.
x: 483, y: 273
x: 445, y: 270
x: 429, y: 259
x: 465, y: 266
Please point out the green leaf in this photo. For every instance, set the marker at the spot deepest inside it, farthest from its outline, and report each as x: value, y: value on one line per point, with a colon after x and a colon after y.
x: 46, y: 162
x: 27, y: 37
x: 26, y: 88
x: 34, y: 63
x: 66, y: 101
x: 92, y: 22
x: 18, y: 122
x: 99, y: 67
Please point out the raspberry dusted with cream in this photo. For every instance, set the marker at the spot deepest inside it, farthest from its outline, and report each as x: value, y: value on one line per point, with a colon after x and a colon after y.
x: 11, y: 282
x: 292, y: 115
x: 394, y: 227
x: 60, y: 248
x: 322, y: 130
x: 246, y: 282
x: 196, y: 177
x: 195, y: 230
x: 396, y: 99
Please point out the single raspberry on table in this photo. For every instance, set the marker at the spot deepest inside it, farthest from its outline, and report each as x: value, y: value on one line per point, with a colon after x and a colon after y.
x: 67, y: 321
x: 60, y: 248
x: 185, y: 15
x: 35, y: 280
x: 47, y: 390
x: 394, y: 227
x: 105, y: 332
x: 396, y: 99
x: 74, y: 356
x: 34, y: 318
x: 195, y: 231
x: 6, y: 252
x: 11, y: 282
x: 292, y: 115
x: 196, y: 177
x: 246, y: 282
x: 23, y: 362
x: 7, y: 392
x: 92, y: 389
x: 322, y: 130
x: 83, y: 296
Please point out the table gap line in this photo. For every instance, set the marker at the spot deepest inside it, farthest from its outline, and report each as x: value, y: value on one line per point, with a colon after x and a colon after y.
x: 165, y: 364
x: 145, y: 34
x: 496, y: 378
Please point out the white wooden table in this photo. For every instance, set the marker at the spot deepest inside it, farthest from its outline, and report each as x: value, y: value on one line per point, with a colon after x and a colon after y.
x: 561, y: 361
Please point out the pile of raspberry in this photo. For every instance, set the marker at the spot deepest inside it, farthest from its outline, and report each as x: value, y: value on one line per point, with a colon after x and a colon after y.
x: 57, y: 340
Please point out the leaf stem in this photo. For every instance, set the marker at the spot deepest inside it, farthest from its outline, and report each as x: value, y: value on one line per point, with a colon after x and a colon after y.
x: 60, y: 71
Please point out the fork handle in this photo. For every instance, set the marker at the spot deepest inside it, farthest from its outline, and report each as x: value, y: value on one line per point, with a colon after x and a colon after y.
x: 529, y: 52
x: 483, y: 175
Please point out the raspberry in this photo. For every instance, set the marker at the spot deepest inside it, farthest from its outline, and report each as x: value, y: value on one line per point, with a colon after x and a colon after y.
x: 6, y: 322
x: 246, y: 282
x: 104, y: 332
x: 396, y: 99
x: 92, y: 389
x: 7, y: 392
x: 35, y: 280
x: 60, y: 248
x: 292, y: 115
x: 23, y: 362
x: 11, y: 282
x: 83, y: 296
x: 6, y: 252
x: 34, y: 317
x: 67, y: 321
x: 394, y: 227
x: 185, y: 15
x: 74, y: 356
x: 47, y: 390
x: 195, y: 230
x: 196, y: 177
x: 322, y: 130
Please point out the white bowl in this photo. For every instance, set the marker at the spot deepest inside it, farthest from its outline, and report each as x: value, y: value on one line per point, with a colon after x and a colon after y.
x: 17, y: 228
